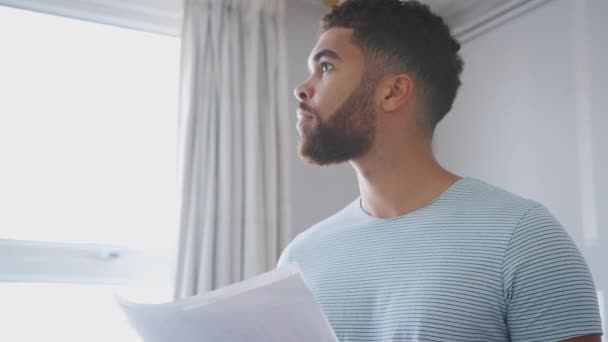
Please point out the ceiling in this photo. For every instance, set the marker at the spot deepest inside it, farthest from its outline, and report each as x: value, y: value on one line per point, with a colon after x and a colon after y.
x: 164, y: 16
x: 455, y: 12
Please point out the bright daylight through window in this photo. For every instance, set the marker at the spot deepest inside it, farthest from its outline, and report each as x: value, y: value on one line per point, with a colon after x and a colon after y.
x: 88, y: 203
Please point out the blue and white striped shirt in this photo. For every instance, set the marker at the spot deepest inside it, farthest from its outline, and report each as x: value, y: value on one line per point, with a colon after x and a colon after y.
x: 477, y: 264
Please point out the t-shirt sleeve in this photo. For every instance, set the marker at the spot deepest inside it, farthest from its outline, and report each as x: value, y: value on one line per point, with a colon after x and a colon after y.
x: 548, y: 289
x: 283, y: 259
x: 286, y: 255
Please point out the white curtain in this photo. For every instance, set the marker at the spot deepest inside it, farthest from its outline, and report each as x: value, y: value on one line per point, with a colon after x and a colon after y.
x: 233, y: 161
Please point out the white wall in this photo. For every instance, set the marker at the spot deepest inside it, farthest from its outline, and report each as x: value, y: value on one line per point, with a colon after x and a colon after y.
x: 317, y: 191
x: 530, y: 117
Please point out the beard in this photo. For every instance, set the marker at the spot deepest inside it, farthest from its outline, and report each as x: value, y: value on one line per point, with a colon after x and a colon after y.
x: 346, y: 134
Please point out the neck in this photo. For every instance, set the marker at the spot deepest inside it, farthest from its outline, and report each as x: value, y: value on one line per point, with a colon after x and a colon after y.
x: 394, y: 182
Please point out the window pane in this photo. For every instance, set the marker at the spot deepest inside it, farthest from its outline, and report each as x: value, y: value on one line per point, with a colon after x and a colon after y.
x: 88, y: 124
x: 33, y: 312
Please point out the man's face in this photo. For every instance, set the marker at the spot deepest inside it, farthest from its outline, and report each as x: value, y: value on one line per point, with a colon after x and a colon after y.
x: 336, y: 118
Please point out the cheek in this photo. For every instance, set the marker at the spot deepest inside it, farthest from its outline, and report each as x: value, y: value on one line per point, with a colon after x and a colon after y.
x: 330, y: 97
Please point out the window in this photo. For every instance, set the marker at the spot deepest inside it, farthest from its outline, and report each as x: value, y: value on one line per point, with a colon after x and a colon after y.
x: 88, y: 200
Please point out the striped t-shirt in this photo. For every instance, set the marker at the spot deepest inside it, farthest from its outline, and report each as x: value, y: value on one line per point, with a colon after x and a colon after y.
x: 477, y: 264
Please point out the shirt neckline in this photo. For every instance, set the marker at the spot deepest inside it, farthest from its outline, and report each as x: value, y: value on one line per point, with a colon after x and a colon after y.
x: 362, y: 213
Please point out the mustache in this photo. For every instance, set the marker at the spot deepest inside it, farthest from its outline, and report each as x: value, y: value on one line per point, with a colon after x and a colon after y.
x: 306, y: 108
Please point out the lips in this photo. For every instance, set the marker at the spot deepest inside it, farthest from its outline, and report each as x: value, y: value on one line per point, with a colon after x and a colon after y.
x: 304, y: 119
x: 304, y: 115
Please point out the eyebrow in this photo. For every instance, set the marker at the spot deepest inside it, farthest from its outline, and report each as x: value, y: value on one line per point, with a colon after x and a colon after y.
x: 325, y: 53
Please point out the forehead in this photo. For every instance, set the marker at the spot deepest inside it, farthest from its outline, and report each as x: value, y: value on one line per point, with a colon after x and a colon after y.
x: 339, y: 41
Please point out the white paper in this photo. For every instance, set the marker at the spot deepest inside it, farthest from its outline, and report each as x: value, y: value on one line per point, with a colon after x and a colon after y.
x: 273, y: 307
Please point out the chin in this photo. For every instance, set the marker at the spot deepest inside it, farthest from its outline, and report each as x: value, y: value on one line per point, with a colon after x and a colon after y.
x: 303, y: 151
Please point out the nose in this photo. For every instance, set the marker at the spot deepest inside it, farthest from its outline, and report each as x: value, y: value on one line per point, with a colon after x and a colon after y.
x: 303, y: 92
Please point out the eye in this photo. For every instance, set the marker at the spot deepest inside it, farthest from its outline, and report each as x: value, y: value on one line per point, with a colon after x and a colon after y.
x: 325, y: 66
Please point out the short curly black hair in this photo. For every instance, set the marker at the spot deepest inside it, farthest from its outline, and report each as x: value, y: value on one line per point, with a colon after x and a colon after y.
x: 405, y: 36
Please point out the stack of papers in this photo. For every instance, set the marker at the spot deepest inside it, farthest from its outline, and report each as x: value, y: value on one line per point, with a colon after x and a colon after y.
x: 273, y: 307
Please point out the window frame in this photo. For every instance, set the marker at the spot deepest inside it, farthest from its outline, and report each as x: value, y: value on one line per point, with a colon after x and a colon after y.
x: 56, y: 262
x: 163, y: 17
x: 26, y: 261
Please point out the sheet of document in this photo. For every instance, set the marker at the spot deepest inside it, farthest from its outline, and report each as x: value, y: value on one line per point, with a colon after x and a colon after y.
x: 273, y: 307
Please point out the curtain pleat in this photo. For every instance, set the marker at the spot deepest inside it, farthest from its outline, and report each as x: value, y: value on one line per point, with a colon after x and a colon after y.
x: 232, y: 168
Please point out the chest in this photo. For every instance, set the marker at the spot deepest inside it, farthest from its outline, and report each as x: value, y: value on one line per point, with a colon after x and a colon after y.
x: 406, y: 287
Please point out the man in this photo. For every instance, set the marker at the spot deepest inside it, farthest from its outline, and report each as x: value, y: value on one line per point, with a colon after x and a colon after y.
x: 423, y: 254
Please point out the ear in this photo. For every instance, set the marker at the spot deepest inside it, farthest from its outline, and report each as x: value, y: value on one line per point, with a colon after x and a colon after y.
x: 397, y: 90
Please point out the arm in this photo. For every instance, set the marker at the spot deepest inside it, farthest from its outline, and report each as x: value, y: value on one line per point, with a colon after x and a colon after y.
x: 549, y: 292
x: 588, y: 338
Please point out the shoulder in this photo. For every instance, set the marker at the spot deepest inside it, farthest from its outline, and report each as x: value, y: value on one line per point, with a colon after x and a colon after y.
x: 548, y: 288
x: 488, y: 206
x: 527, y: 221
x: 487, y: 195
x: 538, y: 234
